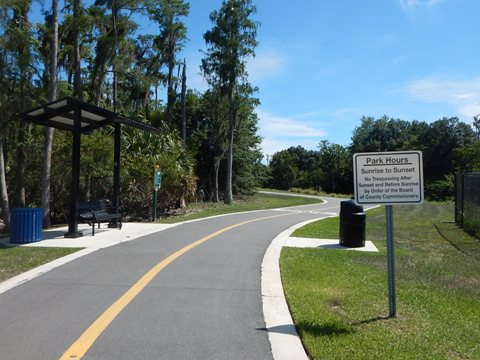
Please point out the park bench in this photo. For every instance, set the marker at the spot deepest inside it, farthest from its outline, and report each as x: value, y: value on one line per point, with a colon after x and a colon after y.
x: 98, y: 211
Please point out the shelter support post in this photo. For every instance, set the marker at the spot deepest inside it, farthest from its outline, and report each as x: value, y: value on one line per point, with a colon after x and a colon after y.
x: 75, y: 184
x: 116, y: 171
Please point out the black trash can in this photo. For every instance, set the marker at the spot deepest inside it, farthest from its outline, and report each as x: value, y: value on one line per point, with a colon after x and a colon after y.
x: 352, y: 224
x: 25, y: 225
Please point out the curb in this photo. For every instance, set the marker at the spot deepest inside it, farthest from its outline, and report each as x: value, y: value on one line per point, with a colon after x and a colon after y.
x: 283, y: 336
x: 42, y: 269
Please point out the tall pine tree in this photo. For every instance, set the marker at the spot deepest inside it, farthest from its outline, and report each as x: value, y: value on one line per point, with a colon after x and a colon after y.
x: 230, y: 42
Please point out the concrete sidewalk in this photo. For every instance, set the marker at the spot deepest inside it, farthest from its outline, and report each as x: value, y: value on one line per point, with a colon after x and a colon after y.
x: 104, y: 237
x: 326, y: 244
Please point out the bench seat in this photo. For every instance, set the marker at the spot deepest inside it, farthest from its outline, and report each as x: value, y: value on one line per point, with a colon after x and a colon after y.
x: 98, y: 211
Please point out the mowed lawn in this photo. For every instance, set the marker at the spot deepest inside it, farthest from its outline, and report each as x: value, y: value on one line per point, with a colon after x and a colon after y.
x: 16, y: 260
x: 258, y: 201
x: 339, y: 299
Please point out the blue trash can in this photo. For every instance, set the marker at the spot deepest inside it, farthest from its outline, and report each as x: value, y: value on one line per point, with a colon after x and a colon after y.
x: 25, y: 225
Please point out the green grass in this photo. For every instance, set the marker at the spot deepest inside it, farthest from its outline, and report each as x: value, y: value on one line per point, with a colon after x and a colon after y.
x: 318, y: 193
x: 339, y: 299
x: 323, y: 229
x: 256, y: 202
x: 309, y: 192
x: 16, y: 260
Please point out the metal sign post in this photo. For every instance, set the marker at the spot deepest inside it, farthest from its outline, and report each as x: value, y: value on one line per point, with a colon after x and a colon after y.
x: 389, y: 178
x: 392, y: 292
x: 154, y: 206
x: 157, y: 182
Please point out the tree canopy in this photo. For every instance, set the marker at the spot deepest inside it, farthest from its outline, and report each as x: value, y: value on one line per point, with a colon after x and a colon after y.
x: 229, y: 43
x: 448, y: 146
x: 105, y: 60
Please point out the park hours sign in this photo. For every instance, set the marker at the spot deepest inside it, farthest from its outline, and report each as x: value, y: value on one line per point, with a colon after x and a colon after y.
x: 388, y: 177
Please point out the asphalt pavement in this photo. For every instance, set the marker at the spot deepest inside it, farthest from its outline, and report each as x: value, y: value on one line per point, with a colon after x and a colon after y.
x: 188, y: 291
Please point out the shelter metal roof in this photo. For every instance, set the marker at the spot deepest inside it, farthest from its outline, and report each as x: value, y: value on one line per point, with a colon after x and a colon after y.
x: 60, y: 114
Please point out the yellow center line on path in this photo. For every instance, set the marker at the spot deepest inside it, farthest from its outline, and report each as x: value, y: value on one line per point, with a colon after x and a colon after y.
x: 80, y: 347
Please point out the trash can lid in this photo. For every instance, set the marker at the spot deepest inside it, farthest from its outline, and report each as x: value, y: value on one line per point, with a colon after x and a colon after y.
x: 350, y: 206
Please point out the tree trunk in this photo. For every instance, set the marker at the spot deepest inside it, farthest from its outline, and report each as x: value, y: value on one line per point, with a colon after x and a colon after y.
x: 228, y: 186
x: 88, y: 187
x: 216, y: 167
x: 46, y: 174
x: 170, y: 90
x: 98, y: 80
x: 77, y: 79
x: 3, y: 188
x: 184, y: 111
x: 231, y: 130
x: 52, y: 96
x: 20, y: 200
x: 476, y: 125
x: 115, y: 47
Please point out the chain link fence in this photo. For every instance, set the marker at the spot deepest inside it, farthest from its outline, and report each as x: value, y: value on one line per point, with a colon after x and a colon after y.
x: 467, y: 202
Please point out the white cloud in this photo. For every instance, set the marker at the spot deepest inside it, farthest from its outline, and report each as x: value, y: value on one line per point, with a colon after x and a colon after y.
x: 463, y: 95
x: 267, y: 63
x: 270, y: 146
x: 470, y: 110
x: 195, y: 79
x: 280, y: 133
x: 282, y: 126
x: 344, y: 111
x: 307, y: 114
x: 411, y: 6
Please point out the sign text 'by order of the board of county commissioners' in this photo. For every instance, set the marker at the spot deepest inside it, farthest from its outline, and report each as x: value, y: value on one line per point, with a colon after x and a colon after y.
x: 388, y: 177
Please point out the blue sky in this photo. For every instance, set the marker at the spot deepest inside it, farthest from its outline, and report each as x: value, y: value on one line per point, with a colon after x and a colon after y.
x: 321, y: 65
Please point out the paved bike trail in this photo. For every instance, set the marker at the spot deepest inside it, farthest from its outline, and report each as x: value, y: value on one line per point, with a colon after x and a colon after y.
x: 205, y: 304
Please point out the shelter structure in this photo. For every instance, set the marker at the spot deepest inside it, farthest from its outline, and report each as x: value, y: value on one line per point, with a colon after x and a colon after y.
x: 79, y: 117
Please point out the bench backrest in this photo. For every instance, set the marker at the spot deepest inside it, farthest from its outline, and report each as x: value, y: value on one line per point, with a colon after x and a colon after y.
x: 95, y: 205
